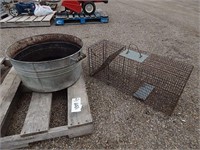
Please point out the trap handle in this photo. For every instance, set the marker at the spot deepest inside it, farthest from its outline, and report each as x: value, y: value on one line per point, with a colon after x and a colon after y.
x: 136, y: 49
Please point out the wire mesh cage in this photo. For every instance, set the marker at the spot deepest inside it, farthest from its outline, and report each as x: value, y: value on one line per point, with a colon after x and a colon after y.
x: 156, y: 80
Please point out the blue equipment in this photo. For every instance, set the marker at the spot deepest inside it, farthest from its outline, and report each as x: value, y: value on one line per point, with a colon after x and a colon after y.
x: 21, y: 8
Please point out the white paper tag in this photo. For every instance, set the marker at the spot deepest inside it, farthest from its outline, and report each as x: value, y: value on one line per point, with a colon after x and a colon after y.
x: 76, y: 104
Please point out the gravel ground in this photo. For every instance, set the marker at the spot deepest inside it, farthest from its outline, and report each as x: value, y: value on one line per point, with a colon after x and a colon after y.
x: 168, y: 28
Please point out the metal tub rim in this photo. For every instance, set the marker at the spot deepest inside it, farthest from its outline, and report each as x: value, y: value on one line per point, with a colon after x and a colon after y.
x: 9, y: 55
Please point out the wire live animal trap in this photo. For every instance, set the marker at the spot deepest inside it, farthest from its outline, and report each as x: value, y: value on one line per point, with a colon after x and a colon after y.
x: 156, y: 80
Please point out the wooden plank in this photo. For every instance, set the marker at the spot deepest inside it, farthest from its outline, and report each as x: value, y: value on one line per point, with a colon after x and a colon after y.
x: 38, y: 116
x: 26, y: 24
x: 77, y: 16
x: 78, y: 90
x: 30, y: 19
x: 39, y: 18
x: 70, y: 16
x: 14, y: 19
x: 3, y: 15
x: 7, y: 69
x: 19, y: 146
x: 23, y: 18
x: 6, y: 19
x: 80, y: 130
x: 8, y: 90
x: 17, y: 140
x: 2, y: 59
x: 11, y: 82
x: 48, y: 17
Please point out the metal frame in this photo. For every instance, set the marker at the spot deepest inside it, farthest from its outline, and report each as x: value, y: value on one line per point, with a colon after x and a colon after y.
x: 129, y: 74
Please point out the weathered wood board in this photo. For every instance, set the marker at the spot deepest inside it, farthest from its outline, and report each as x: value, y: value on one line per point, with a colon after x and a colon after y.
x: 2, y: 59
x: 17, y: 141
x: 38, y: 116
x: 78, y: 90
x: 27, y: 21
x: 8, y: 90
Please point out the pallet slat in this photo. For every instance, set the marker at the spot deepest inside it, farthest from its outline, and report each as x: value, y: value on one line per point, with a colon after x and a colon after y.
x: 28, y: 21
x: 76, y: 16
x: 5, y: 67
x: 6, y: 19
x: 23, y: 18
x: 78, y: 90
x: 15, y: 141
x: 8, y: 89
x: 13, y: 19
x: 70, y: 16
x: 38, y: 116
x: 31, y: 18
x: 39, y: 18
x: 48, y: 17
x: 2, y: 59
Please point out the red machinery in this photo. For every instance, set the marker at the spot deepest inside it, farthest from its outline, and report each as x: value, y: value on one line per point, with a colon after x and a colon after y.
x: 88, y: 6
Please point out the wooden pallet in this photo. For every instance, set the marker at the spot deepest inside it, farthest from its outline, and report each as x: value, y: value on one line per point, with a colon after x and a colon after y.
x: 5, y: 68
x: 27, y: 21
x: 36, y: 124
x: 3, y: 15
x: 98, y: 17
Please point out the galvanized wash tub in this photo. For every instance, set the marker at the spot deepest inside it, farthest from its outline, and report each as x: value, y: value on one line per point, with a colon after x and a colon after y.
x: 47, y: 63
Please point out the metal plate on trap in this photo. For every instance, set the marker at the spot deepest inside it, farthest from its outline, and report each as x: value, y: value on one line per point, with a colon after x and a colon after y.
x: 144, y: 91
x: 130, y: 54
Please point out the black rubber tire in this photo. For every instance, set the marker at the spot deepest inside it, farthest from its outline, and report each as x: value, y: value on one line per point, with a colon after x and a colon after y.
x: 13, y: 11
x: 87, y: 4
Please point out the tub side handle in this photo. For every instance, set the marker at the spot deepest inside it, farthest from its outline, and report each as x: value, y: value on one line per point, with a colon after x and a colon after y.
x: 79, y: 58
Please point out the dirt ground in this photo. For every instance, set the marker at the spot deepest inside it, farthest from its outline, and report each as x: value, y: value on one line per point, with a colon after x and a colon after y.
x: 165, y: 27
